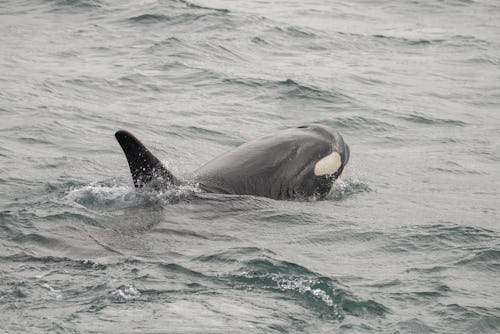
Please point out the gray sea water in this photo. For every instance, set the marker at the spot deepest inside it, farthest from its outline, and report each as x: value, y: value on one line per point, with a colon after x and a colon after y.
x: 408, y: 243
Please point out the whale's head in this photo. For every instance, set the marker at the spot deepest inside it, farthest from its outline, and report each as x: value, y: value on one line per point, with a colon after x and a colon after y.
x: 327, y: 159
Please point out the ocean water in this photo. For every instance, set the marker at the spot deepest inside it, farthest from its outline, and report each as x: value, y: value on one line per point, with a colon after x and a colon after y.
x: 409, y: 242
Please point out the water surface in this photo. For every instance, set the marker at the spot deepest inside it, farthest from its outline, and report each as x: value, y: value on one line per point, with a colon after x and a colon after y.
x: 408, y: 243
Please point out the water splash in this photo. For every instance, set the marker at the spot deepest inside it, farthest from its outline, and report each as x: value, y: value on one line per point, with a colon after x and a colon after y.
x: 125, y: 292
x: 118, y: 196
x: 100, y: 195
x: 345, y: 188
x: 172, y: 195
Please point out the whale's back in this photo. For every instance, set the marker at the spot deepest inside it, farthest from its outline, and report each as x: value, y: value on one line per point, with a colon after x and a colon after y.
x: 278, y: 166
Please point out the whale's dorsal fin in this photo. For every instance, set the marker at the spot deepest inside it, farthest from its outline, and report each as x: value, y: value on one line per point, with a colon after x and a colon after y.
x: 146, y: 169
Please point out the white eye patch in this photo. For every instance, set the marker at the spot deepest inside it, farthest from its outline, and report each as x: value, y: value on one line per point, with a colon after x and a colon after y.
x: 328, y: 165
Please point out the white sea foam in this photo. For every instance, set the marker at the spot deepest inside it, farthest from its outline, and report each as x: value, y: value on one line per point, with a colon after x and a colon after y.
x: 126, y: 292
x: 117, y: 195
x: 100, y: 192
x: 303, y: 285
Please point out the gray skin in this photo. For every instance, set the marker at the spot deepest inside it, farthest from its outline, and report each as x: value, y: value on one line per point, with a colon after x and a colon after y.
x: 278, y: 166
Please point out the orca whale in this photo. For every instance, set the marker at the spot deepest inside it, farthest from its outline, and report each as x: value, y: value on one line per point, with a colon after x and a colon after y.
x: 294, y: 163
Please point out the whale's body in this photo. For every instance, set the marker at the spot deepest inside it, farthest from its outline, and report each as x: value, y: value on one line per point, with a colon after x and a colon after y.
x: 292, y: 163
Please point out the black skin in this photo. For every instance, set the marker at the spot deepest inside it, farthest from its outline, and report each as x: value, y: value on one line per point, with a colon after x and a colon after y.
x: 278, y: 166
x: 145, y: 168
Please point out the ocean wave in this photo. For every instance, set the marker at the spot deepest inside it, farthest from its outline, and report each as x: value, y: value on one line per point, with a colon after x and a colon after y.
x: 439, y: 237
x: 233, y: 255
x: 414, y: 326
x: 485, y: 324
x: 462, y: 41
x: 303, y: 91
x: 487, y: 259
x: 456, y: 168
x: 195, y: 6
x: 25, y: 258
x: 257, y: 269
x: 294, y: 31
x: 184, y: 18
x: 316, y: 292
x: 359, y: 122
x: 174, y: 268
x: 409, y: 41
x: 175, y: 12
x: 485, y: 59
x: 428, y: 120
x: 78, y: 4
x: 288, y: 89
